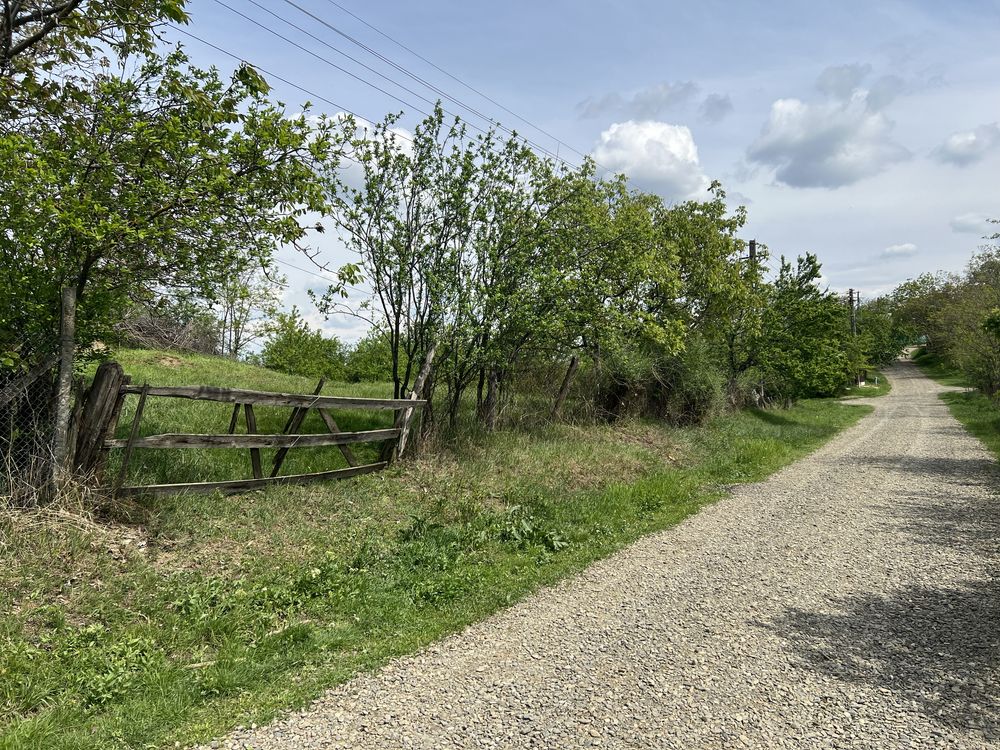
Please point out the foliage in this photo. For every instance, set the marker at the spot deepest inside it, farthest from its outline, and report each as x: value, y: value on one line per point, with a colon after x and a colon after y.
x: 807, y: 349
x: 246, y: 300
x: 38, y: 37
x: 156, y: 183
x: 369, y: 360
x: 295, y: 348
x: 956, y: 317
x: 261, y: 602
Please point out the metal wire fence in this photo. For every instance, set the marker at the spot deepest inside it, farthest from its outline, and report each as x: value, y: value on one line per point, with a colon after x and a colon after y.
x: 27, y: 419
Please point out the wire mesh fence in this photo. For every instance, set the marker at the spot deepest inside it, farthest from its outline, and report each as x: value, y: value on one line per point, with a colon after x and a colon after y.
x: 27, y: 419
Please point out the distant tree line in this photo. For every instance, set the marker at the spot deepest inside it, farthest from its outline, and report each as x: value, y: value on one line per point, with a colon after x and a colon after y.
x: 956, y: 317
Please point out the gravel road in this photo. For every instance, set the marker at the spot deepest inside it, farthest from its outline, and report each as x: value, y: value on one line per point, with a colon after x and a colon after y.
x: 850, y: 601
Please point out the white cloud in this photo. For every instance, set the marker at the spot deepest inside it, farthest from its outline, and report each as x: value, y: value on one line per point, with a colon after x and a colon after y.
x: 644, y: 104
x: 829, y: 144
x: 657, y: 156
x: 840, y: 81
x: 969, y: 146
x: 973, y: 223
x: 715, y: 107
x: 902, y: 250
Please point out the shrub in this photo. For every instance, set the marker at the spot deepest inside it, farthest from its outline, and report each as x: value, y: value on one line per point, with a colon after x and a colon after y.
x: 370, y: 360
x: 293, y: 347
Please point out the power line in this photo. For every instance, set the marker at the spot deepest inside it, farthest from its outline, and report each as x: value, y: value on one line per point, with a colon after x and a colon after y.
x: 285, y: 81
x: 329, y: 46
x: 353, y: 75
x: 323, y: 59
x: 321, y: 276
x: 455, y: 78
x: 424, y: 82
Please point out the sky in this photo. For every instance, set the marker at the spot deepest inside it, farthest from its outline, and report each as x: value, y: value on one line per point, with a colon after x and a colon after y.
x: 865, y: 132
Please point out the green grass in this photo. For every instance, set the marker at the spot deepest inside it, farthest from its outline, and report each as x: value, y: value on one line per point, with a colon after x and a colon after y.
x: 205, y: 612
x: 871, y: 388
x: 979, y: 414
x: 936, y: 369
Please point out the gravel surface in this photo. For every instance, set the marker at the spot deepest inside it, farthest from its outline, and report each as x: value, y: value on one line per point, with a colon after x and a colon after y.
x: 850, y: 601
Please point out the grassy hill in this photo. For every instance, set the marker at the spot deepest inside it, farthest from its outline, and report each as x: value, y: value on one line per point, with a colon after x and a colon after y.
x: 172, y: 620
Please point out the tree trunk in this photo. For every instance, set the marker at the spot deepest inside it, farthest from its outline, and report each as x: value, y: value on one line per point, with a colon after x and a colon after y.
x: 491, y: 404
x: 64, y: 391
x: 574, y: 363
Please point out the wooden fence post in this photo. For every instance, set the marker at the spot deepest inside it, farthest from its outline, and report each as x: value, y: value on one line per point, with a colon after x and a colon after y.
x: 258, y: 472
x: 133, y: 434
x: 403, y: 421
x: 292, y: 426
x: 102, y: 406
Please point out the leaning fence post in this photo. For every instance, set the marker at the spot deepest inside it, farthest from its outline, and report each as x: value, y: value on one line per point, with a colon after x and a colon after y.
x: 403, y: 421
x: 133, y: 434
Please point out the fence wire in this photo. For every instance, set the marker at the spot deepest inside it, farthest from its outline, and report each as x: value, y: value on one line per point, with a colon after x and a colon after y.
x: 27, y: 420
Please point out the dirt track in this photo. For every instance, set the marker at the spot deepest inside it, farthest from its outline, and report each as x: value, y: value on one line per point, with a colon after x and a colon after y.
x: 850, y: 601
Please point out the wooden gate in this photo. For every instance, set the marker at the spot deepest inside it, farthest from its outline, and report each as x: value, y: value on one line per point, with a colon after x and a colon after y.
x: 243, y: 401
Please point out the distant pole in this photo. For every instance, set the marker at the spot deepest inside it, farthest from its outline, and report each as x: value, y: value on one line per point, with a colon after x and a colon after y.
x: 753, y: 250
x: 854, y: 316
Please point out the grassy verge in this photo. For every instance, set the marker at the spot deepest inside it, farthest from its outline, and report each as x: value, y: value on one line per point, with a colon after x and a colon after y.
x: 207, y: 612
x: 978, y: 414
x: 877, y: 385
x: 936, y: 369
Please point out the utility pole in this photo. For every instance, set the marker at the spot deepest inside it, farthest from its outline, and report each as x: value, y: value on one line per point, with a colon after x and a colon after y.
x: 753, y: 250
x: 854, y: 311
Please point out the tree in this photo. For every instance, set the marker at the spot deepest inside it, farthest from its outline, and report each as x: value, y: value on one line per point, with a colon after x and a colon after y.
x: 37, y: 36
x: 293, y: 347
x: 150, y: 185
x: 399, y: 222
x: 806, y: 349
x: 247, y: 299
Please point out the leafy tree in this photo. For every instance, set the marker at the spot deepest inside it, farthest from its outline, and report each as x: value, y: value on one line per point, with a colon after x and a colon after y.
x: 293, y: 347
x: 806, y: 348
x: 399, y: 221
x: 883, y: 339
x: 154, y: 184
x: 249, y: 296
x: 369, y: 360
x: 37, y: 36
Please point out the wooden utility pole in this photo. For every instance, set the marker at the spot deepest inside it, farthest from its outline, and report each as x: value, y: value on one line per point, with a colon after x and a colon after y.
x: 753, y: 250
x: 852, y: 301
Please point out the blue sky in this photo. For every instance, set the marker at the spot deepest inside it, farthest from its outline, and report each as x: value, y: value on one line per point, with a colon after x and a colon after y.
x: 864, y: 132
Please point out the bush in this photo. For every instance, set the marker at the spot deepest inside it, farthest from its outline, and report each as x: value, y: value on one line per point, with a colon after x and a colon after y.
x: 293, y: 347
x: 370, y: 360
x: 691, y: 387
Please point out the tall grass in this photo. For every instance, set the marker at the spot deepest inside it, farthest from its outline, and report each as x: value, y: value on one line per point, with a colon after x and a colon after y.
x: 204, y: 612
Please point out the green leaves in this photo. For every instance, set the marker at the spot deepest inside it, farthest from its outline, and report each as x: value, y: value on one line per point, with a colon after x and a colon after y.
x: 141, y: 185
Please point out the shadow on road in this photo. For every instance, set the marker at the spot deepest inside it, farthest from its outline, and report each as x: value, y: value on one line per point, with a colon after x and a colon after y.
x: 935, y: 647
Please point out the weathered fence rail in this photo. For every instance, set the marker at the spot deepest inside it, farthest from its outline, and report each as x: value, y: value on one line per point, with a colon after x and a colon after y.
x: 267, y: 398
x: 111, y: 387
x: 180, y: 440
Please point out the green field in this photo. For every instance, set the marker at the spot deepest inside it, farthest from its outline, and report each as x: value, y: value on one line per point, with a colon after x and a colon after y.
x: 174, y: 620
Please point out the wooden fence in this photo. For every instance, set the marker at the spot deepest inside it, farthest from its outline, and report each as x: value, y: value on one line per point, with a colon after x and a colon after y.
x: 104, y: 403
